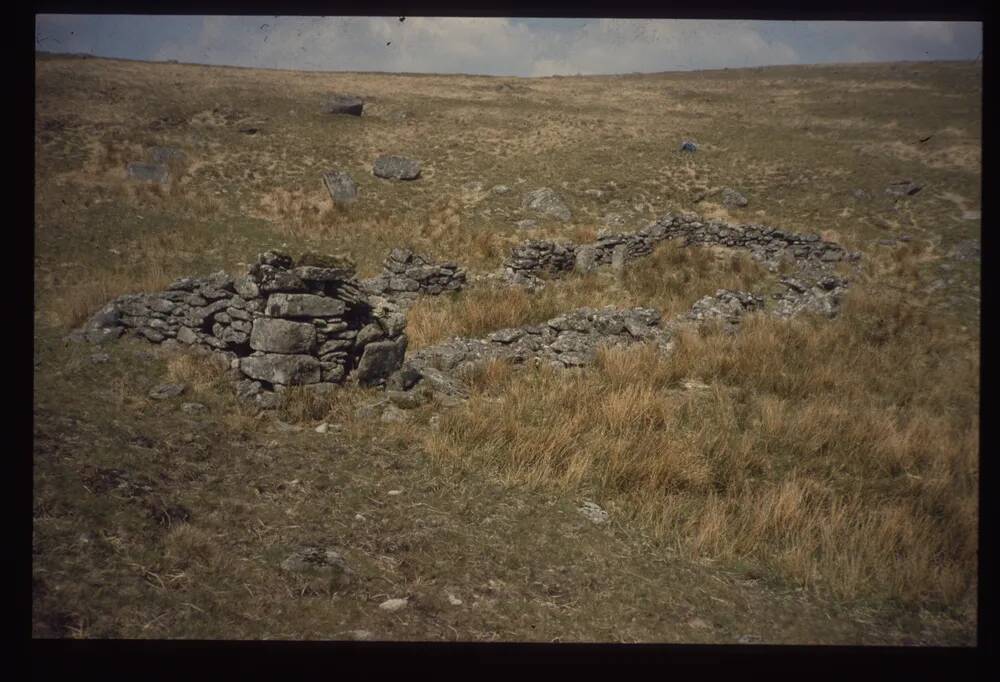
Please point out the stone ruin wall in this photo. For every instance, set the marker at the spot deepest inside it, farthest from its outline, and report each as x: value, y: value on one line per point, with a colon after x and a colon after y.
x: 764, y: 243
x: 282, y: 324
x: 313, y: 324
x: 406, y: 275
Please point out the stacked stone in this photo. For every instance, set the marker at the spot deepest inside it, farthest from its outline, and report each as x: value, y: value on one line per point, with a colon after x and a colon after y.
x: 406, y: 275
x: 726, y: 306
x: 767, y: 244
x: 569, y: 340
x: 822, y: 295
x: 764, y: 243
x: 537, y: 256
x: 281, y: 324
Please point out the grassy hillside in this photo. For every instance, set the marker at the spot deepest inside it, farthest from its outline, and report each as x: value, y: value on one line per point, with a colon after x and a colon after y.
x: 803, y: 481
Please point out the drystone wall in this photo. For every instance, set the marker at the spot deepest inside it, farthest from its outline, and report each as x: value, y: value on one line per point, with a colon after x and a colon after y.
x: 282, y: 324
x: 766, y: 244
x: 406, y: 275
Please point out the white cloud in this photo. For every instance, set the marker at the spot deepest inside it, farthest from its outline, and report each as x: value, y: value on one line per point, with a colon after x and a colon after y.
x: 536, y: 47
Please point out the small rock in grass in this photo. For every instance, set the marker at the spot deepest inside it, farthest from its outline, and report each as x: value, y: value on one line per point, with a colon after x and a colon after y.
x: 164, y: 391
x: 394, y: 604
x: 593, y: 512
x: 193, y: 408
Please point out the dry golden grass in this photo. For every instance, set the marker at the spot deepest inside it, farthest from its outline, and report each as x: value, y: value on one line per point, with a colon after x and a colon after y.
x: 842, y: 455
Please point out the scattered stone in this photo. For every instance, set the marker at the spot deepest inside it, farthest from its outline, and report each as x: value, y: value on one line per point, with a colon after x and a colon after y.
x: 500, y: 189
x: 403, y: 379
x: 326, y: 562
x: 733, y: 199
x: 392, y: 605
x: 163, y: 155
x: 688, y: 146
x: 969, y: 249
x: 396, y: 168
x: 344, y: 104
x: 545, y: 200
x: 148, y: 172
x: 453, y: 600
x: 96, y: 359
x: 593, y: 512
x: 526, y: 224
x: 322, y: 428
x: 193, y: 408
x: 341, y: 186
x: 903, y: 188
x: 393, y: 493
x: 392, y: 414
x: 165, y: 391
x: 407, y: 400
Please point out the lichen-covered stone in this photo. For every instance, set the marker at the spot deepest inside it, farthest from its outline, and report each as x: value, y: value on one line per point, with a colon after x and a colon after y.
x: 288, y: 370
x: 282, y: 336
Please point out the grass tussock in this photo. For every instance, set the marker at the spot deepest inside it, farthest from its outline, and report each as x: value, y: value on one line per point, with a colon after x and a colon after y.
x: 841, y: 455
x: 670, y: 280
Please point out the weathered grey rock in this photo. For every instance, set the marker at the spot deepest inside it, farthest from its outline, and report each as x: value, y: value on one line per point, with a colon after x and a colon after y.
x: 268, y: 400
x: 282, y: 336
x: 303, y: 306
x: 246, y: 287
x: 187, y: 335
x: 407, y: 400
x: 545, y: 200
x: 165, y: 391
x: 162, y: 155
x: 526, y: 224
x: 733, y: 199
x: 148, y: 172
x: 396, y: 168
x: 288, y: 370
x: 394, y: 604
x: 102, y: 336
x: 404, y: 379
x: 369, y: 333
x: 586, y: 259
x: 379, y: 360
x: 903, y: 188
x: 391, y: 413
x: 341, y: 186
x: 344, y: 104
x: 274, y: 281
x: 309, y: 273
x: 593, y: 512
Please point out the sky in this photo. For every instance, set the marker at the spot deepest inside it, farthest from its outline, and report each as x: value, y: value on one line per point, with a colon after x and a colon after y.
x: 501, y: 47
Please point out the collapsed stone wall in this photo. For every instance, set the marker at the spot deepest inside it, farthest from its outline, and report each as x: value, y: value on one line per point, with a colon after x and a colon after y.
x: 568, y: 340
x: 406, y: 275
x: 766, y: 244
x: 282, y: 324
